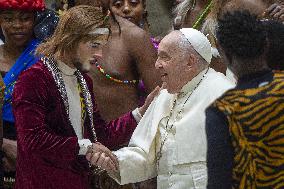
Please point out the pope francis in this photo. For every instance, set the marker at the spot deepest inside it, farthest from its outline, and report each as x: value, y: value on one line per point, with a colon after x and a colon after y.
x: 170, y: 141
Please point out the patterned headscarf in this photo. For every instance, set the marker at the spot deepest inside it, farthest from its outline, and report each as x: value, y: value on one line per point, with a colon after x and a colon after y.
x: 25, y: 5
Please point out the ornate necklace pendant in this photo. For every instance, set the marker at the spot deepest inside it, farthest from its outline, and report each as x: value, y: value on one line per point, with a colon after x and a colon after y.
x: 179, y: 114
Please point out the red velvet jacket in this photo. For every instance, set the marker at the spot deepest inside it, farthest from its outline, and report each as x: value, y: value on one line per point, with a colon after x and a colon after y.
x: 47, y: 144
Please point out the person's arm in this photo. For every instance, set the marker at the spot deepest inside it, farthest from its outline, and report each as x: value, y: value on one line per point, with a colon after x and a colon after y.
x: 119, y: 131
x: 145, y: 56
x: 135, y: 165
x: 220, y: 153
x: 136, y: 162
x: 116, y: 132
x: 30, y: 102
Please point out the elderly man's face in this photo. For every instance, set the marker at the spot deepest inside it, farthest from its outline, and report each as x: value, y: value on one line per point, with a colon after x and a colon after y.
x: 177, y: 62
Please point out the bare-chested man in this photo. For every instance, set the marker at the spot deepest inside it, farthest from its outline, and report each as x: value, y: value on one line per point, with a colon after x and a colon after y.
x: 188, y: 14
x: 135, y: 12
x: 266, y: 9
x: 129, y: 55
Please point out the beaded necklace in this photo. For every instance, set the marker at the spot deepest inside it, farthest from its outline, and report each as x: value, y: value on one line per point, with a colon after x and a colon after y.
x: 112, y: 78
x: 87, y: 99
x: 169, y: 127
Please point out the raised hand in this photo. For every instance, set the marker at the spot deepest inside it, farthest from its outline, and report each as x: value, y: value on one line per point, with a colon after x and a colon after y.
x: 148, y: 100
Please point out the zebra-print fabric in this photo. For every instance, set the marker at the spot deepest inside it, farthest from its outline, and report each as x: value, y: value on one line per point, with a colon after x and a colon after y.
x: 256, y: 125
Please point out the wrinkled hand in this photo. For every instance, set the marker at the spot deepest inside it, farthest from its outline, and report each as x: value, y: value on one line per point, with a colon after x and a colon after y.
x: 149, y: 100
x: 101, y: 156
x: 275, y: 11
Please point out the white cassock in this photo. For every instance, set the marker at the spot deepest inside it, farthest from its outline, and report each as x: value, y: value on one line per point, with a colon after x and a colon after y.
x: 183, y: 161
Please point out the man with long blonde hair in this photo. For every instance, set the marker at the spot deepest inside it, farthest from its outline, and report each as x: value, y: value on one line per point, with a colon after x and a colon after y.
x: 56, y: 116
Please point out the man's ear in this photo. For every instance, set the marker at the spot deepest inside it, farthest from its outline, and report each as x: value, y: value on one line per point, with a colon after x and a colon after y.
x: 191, y: 60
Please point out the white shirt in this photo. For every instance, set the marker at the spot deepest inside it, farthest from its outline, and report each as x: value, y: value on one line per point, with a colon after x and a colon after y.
x: 183, y: 162
x: 73, y: 94
x: 75, y: 109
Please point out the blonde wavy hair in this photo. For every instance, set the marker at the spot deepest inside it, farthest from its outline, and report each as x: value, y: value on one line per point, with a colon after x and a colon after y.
x: 74, y: 26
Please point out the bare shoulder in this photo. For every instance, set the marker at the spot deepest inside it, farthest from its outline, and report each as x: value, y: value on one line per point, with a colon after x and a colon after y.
x: 131, y: 32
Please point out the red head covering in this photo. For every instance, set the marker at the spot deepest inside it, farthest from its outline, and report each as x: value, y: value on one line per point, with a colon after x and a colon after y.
x: 25, y: 5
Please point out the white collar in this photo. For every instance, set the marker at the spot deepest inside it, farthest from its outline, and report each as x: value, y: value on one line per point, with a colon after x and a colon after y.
x: 192, y: 84
x: 65, y: 69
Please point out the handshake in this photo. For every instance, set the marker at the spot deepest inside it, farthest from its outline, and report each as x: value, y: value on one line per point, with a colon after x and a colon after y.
x: 101, y: 156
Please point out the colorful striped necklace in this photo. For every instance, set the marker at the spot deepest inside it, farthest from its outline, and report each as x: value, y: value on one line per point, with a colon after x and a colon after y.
x: 112, y: 78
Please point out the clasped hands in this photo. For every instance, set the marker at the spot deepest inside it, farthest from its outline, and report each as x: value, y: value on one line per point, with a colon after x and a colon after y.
x: 101, y: 156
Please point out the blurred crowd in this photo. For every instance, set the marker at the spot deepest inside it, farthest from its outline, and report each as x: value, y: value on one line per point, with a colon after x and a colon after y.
x: 142, y: 94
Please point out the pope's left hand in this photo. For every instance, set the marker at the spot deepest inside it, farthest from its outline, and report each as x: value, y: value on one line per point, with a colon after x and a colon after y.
x: 149, y: 100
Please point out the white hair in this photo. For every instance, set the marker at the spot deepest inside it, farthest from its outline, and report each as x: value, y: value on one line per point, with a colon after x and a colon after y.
x: 184, y: 43
x: 186, y: 47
